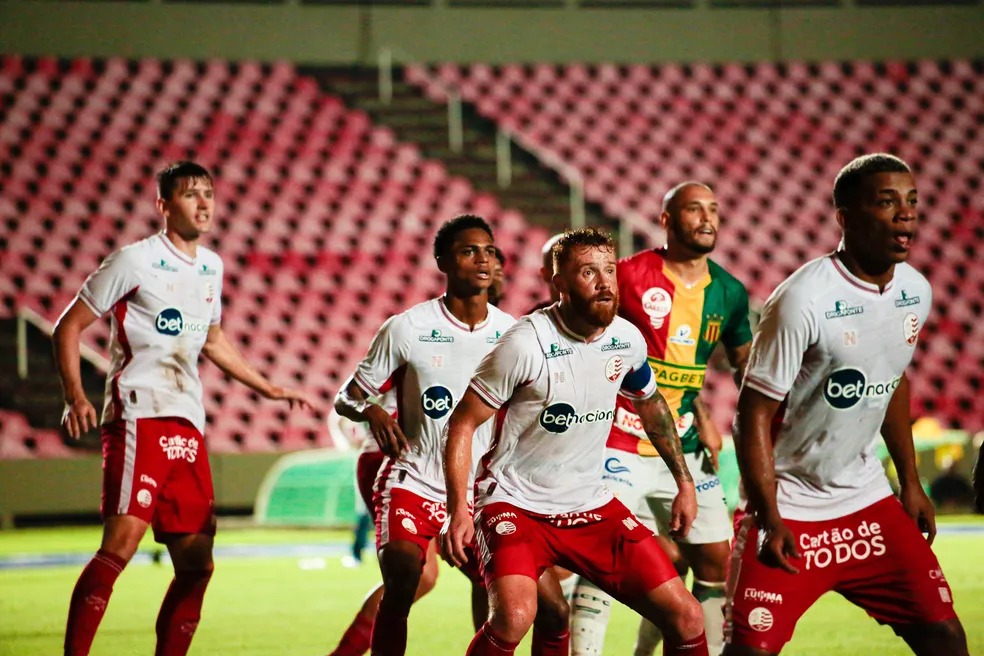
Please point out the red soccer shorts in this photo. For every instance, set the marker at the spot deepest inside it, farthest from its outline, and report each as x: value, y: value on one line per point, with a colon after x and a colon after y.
x: 875, y: 557
x: 403, y: 515
x: 366, y: 469
x: 157, y: 469
x: 608, y: 546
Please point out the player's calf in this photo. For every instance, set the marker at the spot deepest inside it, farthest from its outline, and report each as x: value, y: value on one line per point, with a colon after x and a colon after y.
x: 551, y: 627
x: 945, y: 638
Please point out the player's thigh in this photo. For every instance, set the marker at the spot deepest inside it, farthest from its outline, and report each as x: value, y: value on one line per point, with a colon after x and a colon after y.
x: 510, y: 542
x: 889, y: 569
x: 713, y: 522
x: 186, y: 503
x: 763, y: 604
x: 630, y: 478
x: 135, y: 467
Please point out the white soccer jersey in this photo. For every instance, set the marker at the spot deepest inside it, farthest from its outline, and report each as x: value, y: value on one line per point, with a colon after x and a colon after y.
x: 162, y: 304
x: 428, y: 356
x: 556, y: 400
x: 833, y: 349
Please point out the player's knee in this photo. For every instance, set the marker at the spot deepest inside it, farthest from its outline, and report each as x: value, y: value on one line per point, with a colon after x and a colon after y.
x: 512, y: 623
x: 946, y: 637
x: 402, y: 572
x: 687, y: 620
x: 428, y: 579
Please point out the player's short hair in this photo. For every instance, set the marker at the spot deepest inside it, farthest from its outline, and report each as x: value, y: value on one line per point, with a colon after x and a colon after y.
x: 450, y: 229
x: 170, y: 175
x: 499, y: 255
x: 670, y: 195
x: 571, y: 239
x: 848, y: 182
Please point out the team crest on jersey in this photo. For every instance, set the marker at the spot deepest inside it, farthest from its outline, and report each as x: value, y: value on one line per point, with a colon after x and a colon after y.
x: 712, y: 331
x: 657, y: 303
x: 616, y: 345
x: 556, y: 352
x: 164, y: 266
x: 910, y: 328
x: 436, y: 336
x: 842, y: 309
x: 614, y: 367
x: 905, y: 300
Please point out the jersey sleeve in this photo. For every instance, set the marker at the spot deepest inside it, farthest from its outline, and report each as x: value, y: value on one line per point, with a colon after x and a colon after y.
x: 639, y: 383
x: 217, y: 303
x: 737, y: 331
x: 786, y: 330
x: 387, y: 353
x: 514, y: 361
x: 114, y: 279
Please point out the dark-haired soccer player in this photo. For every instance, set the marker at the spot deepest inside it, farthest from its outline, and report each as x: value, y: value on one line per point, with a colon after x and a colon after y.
x: 551, y: 384
x: 428, y: 353
x: 164, y: 296
x: 825, y: 376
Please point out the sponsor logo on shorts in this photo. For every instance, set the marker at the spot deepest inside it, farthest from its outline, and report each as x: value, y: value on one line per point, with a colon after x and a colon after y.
x: 905, y: 300
x: 910, y: 328
x: 760, y: 619
x: 616, y: 345
x: 436, y: 511
x: 501, y: 516
x: 170, y: 321
x: 846, y: 387
x: 557, y: 418
x: 842, y: 309
x: 556, y: 352
x: 754, y: 594
x: 630, y: 523
x: 842, y: 545
x: 657, y: 303
x: 178, y: 447
x: 400, y: 512
x: 614, y: 466
x: 144, y: 478
x: 436, y: 401
x: 945, y: 596
x: 564, y: 520
x: 613, y: 368
x: 436, y: 337
x: 708, y: 484
x: 505, y: 528
x: 937, y: 574
x: 144, y: 498
x: 409, y: 526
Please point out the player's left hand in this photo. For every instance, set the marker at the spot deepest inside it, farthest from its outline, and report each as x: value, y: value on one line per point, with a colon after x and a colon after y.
x: 918, y: 506
x: 456, y: 534
x: 683, y: 511
x: 296, y: 398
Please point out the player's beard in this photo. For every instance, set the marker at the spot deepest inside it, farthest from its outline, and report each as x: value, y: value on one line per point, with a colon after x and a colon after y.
x: 689, y: 241
x: 596, y: 314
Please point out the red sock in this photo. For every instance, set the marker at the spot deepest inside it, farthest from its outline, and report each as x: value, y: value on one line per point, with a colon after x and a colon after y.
x: 180, y: 612
x: 550, y: 644
x: 485, y: 643
x: 89, y: 600
x: 389, y: 633
x: 355, y: 642
x: 694, y: 647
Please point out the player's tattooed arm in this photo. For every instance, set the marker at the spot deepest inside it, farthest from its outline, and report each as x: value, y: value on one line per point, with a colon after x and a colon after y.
x: 657, y: 421
x: 738, y: 358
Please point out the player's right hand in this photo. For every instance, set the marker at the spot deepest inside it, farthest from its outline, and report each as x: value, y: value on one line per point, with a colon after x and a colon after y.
x: 456, y: 535
x: 387, y: 433
x: 778, y: 547
x: 79, y: 417
x: 683, y: 511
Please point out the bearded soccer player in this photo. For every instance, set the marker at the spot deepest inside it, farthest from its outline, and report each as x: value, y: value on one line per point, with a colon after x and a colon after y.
x: 826, y: 374
x: 685, y: 305
x: 428, y: 355
x: 551, y: 383
x: 164, y: 297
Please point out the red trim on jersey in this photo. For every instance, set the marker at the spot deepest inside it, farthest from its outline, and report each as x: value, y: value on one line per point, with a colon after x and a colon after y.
x: 119, y: 313
x: 379, y: 486
x: 849, y: 277
x: 396, y: 380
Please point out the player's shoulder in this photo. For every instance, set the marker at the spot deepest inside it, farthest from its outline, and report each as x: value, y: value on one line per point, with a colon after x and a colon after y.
x: 500, y: 319
x: 910, y: 277
x: 799, y: 291
x: 625, y: 330
x: 723, y: 277
x: 650, y: 258
x: 209, y: 258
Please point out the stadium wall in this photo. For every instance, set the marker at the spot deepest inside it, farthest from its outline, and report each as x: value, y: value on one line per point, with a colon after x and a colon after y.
x: 435, y: 31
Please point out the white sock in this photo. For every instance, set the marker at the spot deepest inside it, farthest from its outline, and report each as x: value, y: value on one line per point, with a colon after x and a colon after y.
x: 648, y: 638
x: 711, y: 598
x: 592, y: 608
x: 567, y: 586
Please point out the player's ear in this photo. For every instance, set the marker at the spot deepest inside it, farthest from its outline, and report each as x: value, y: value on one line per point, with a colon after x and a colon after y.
x: 559, y: 283
x: 841, y: 217
x: 664, y: 220
x: 161, y: 207
x: 442, y: 263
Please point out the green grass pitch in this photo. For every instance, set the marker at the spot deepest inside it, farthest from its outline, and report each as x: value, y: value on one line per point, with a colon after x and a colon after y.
x: 273, y: 605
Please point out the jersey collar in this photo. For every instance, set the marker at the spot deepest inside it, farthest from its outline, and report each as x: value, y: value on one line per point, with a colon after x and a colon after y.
x: 554, y: 311
x: 863, y: 285
x: 174, y: 251
x: 461, y: 325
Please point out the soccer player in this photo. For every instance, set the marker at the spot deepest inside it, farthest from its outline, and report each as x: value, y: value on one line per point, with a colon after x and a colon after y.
x: 164, y: 296
x: 826, y: 374
x: 552, y: 383
x: 684, y: 304
x: 497, y: 291
x: 547, y: 273
x: 428, y: 354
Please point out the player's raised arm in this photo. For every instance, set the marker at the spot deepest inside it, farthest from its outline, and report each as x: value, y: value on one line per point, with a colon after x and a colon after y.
x: 897, y: 432
x: 227, y: 357
x: 459, y: 530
